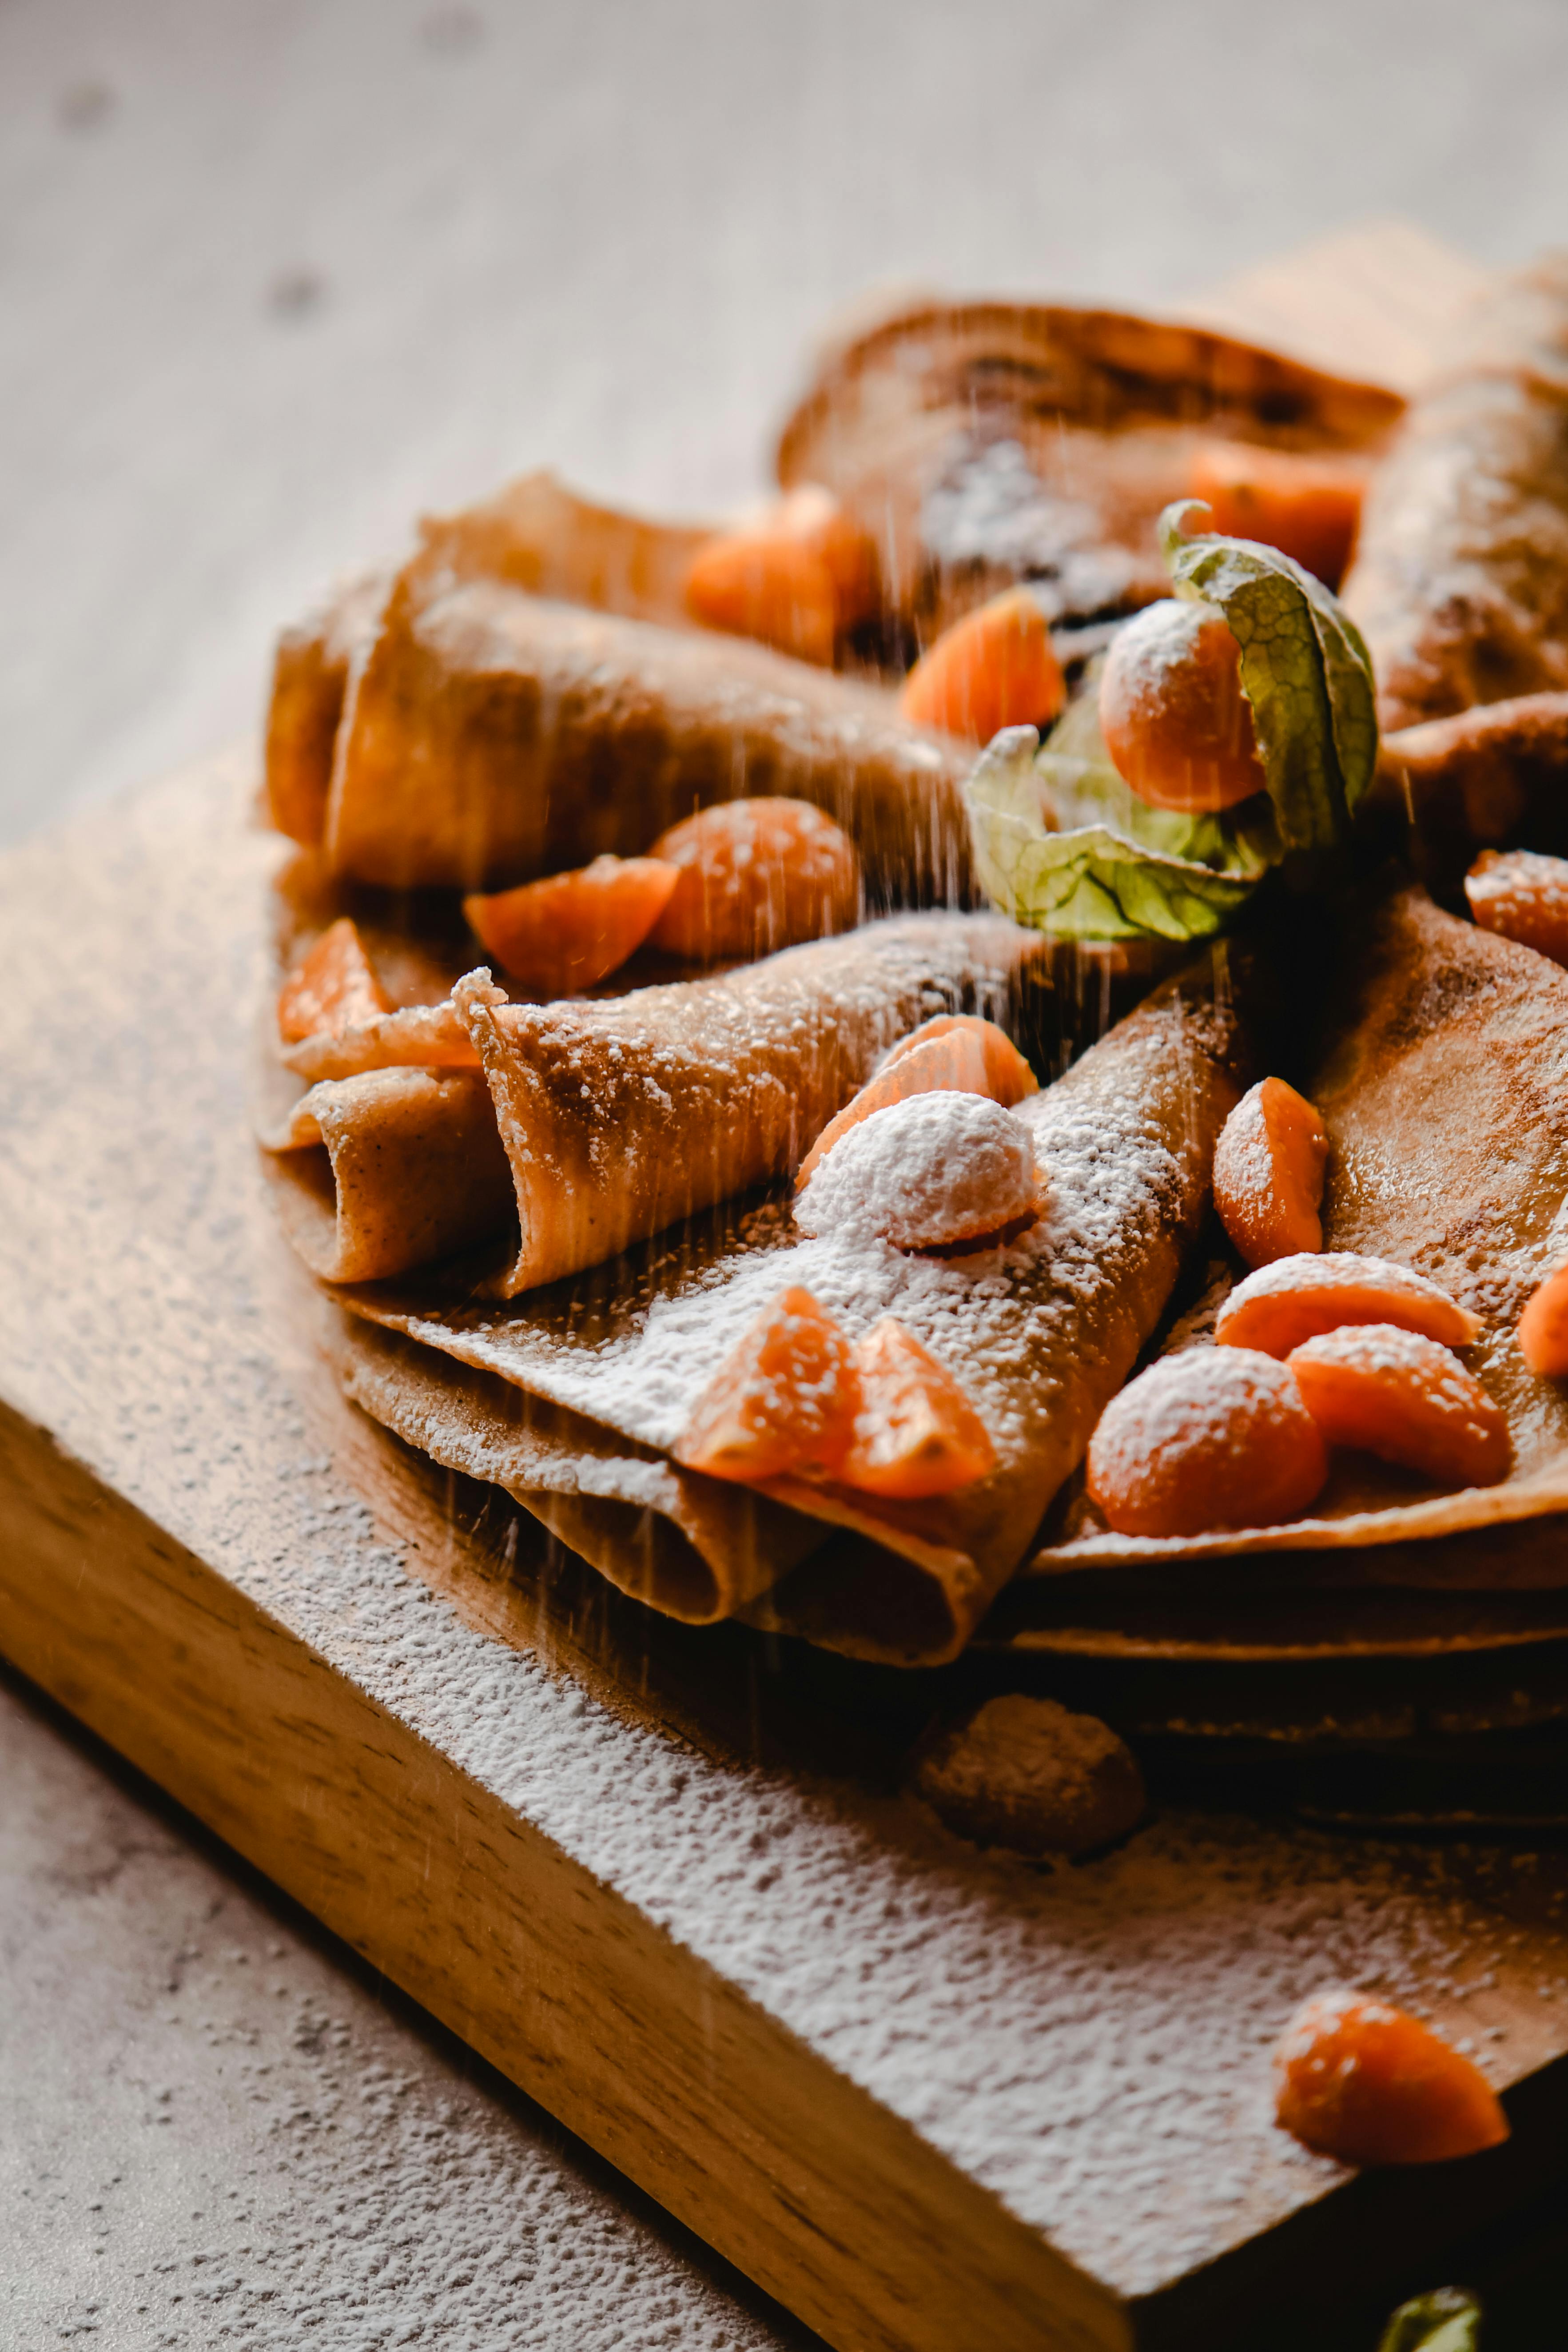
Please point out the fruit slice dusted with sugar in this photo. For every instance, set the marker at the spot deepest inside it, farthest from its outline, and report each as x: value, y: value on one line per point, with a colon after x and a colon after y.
x: 1176, y: 721
x: 1543, y: 1327
x: 1404, y: 1398
x: 995, y: 668
x: 335, y: 988
x: 755, y: 876
x: 1523, y: 897
x: 1292, y: 1301
x: 917, y: 1433
x: 794, y: 576
x: 1209, y: 1438
x: 784, y: 1405
x: 1269, y: 1173
x: 954, y: 1054
x: 563, y: 934
x: 1359, y: 2080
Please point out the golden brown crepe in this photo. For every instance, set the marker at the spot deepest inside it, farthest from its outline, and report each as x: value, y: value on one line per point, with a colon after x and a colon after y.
x: 1039, y: 1334
x: 491, y: 735
x: 1445, y: 1094
x: 985, y: 442
x: 535, y: 534
x: 622, y: 1115
x: 689, y: 1546
x: 1460, y: 581
x: 389, y: 1170
x: 310, y: 679
x: 1489, y: 777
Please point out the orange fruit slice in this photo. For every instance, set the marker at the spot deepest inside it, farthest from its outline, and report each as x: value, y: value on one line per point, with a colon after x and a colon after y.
x: 753, y: 875
x: 1359, y: 2080
x: 1215, y: 1437
x: 995, y: 668
x: 1268, y: 1170
x: 784, y: 1403
x: 334, y: 988
x: 917, y: 1433
x: 1405, y: 1398
x: 564, y: 933
x: 1292, y: 1301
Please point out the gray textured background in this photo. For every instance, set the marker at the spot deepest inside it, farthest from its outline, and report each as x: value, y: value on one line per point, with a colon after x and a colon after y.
x: 272, y: 276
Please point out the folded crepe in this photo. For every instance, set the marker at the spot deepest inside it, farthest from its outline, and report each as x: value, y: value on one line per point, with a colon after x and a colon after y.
x: 690, y: 1547
x: 388, y: 1169
x: 623, y: 1114
x: 309, y: 678
x: 535, y: 534
x: 981, y: 442
x: 1489, y: 777
x: 1444, y: 1088
x: 1460, y: 579
x: 490, y: 736
x: 1039, y: 1334
x: 617, y: 1115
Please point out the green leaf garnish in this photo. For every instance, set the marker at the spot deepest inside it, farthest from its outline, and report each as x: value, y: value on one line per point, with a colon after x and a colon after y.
x: 1115, y: 868
x: 1448, y: 2320
x: 1060, y: 841
x: 1304, y: 670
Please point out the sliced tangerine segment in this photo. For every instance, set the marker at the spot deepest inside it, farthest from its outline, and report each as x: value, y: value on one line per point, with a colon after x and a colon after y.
x: 1210, y: 1438
x: 1361, y: 2081
x: 995, y: 668
x: 1177, y: 723
x: 754, y: 876
x: 917, y: 1433
x: 1523, y: 896
x: 1294, y: 1298
x: 1268, y: 1170
x: 794, y: 577
x: 959, y: 1057
x: 1307, y: 505
x: 1543, y: 1327
x: 784, y: 1403
x: 564, y: 933
x: 1399, y: 1395
x: 335, y: 988
x: 1009, y: 1076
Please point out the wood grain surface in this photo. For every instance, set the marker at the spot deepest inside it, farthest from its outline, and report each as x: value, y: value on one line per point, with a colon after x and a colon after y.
x: 667, y: 1880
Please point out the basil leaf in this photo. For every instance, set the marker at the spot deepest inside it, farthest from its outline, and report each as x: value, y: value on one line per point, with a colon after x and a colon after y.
x: 1447, y: 2320
x: 1304, y: 670
x: 1104, y: 865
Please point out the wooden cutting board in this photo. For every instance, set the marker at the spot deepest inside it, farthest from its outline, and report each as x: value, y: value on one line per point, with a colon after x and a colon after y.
x: 665, y: 1878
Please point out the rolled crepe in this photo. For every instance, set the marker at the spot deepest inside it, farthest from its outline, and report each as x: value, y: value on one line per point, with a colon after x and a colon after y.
x: 387, y: 1170
x: 535, y: 533
x: 981, y: 442
x: 1445, y: 1095
x: 623, y: 1114
x: 689, y: 1546
x: 1460, y: 579
x: 1490, y: 777
x: 490, y: 736
x: 1040, y: 1335
x: 310, y: 679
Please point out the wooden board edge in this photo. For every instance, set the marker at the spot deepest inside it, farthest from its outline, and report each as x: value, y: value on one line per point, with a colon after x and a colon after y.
x: 830, y: 2203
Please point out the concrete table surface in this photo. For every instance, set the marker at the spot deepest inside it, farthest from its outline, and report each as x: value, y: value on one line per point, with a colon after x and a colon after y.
x: 274, y: 275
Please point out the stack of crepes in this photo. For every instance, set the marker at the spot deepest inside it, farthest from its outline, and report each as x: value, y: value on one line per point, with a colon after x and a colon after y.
x: 546, y: 1255
x: 551, y: 1224
x: 1438, y: 1059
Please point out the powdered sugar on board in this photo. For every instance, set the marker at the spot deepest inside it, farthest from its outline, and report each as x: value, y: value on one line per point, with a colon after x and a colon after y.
x: 1090, y: 2044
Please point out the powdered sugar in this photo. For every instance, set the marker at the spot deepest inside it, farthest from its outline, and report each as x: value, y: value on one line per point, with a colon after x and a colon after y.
x: 936, y: 1169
